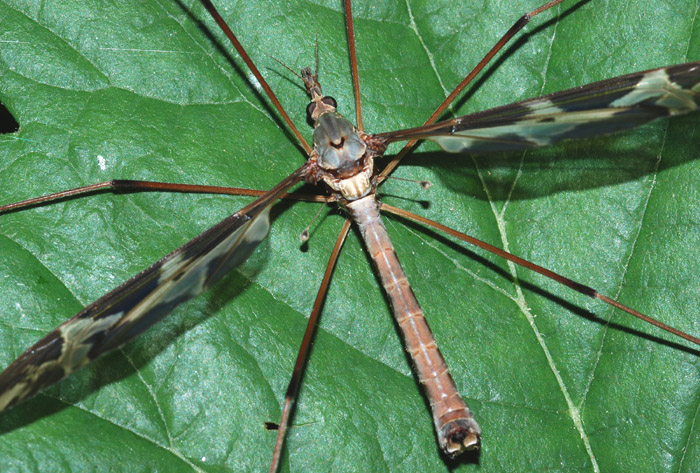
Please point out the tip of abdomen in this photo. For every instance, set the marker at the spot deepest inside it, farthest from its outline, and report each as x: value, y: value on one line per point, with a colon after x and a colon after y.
x: 460, y: 435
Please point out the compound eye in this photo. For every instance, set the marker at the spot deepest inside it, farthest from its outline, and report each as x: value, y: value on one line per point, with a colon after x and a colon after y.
x: 330, y: 101
x: 310, y: 109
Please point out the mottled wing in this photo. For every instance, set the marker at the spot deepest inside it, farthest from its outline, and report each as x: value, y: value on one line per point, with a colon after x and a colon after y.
x: 600, y: 108
x: 140, y: 302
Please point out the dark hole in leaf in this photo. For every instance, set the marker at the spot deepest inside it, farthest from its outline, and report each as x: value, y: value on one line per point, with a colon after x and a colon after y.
x: 8, y: 124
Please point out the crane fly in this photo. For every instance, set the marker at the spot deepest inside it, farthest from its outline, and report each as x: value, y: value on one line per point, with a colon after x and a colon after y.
x: 156, y: 380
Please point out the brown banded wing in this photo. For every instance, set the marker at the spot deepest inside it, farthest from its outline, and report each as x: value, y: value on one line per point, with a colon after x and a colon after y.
x: 140, y: 302
x: 595, y: 109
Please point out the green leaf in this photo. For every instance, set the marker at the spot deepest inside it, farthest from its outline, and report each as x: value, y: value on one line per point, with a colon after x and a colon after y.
x: 151, y: 90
